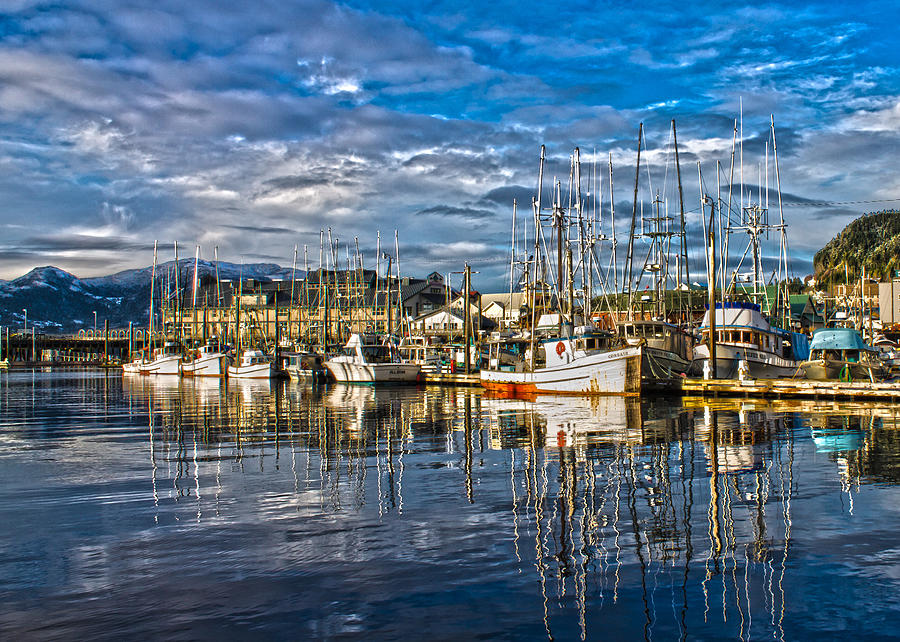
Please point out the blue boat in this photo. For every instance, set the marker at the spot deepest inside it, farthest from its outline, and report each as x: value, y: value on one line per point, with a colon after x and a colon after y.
x: 841, y: 354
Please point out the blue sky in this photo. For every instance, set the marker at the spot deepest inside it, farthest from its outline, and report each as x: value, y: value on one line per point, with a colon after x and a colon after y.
x: 252, y: 127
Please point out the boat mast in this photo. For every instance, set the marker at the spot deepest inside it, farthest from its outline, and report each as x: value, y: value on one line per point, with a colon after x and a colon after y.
x: 399, y: 283
x: 683, y: 262
x: 512, y: 258
x: 634, y: 213
x: 196, y: 267
x: 175, y: 299
x: 218, y: 289
x: 781, y: 224
x: 152, y: 286
x: 612, y: 224
x: 321, y: 302
x: 536, y: 206
x: 293, y: 280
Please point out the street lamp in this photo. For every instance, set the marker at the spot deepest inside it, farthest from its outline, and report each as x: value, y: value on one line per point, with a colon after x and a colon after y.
x: 95, y: 323
x: 25, y: 328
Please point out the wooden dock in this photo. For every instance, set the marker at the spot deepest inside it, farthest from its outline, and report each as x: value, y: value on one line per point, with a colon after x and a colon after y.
x: 790, y: 388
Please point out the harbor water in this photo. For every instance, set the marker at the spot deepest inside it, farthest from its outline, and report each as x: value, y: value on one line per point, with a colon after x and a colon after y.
x: 138, y: 507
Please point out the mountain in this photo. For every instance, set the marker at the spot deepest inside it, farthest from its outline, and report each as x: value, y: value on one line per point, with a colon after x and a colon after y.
x: 60, y: 302
x: 871, y: 241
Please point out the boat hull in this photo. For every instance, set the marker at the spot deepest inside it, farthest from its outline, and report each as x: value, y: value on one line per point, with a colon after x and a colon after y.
x: 306, y: 375
x: 133, y: 367
x: 831, y: 369
x: 761, y: 365
x: 170, y: 366
x: 346, y: 372
x: 253, y: 371
x: 206, y: 366
x: 663, y: 364
x: 616, y: 372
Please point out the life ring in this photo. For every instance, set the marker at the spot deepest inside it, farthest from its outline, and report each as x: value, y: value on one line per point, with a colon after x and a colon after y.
x: 560, y: 348
x: 845, y: 374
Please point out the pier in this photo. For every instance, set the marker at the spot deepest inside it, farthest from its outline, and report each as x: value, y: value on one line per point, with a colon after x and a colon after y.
x: 28, y: 350
x: 789, y: 388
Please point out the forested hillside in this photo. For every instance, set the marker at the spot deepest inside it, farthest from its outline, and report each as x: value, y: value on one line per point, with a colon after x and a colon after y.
x: 872, y: 240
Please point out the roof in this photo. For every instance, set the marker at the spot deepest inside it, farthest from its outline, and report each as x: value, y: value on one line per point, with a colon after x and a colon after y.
x: 503, y: 298
x: 838, y: 339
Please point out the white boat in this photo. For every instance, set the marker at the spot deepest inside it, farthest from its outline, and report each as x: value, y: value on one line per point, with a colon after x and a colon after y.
x: 586, y: 362
x: 135, y: 367
x: 208, y: 361
x: 254, y: 364
x: 303, y: 366
x: 743, y: 334
x: 166, y: 361
x: 418, y: 349
x: 366, y: 361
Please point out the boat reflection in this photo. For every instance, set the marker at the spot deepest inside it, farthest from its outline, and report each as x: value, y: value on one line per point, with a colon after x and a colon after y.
x: 673, y: 504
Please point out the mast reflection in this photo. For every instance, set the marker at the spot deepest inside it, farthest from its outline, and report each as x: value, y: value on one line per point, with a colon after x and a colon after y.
x: 683, y: 509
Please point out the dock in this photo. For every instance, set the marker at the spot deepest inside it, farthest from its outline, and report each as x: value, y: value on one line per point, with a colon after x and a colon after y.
x: 451, y: 379
x: 791, y: 388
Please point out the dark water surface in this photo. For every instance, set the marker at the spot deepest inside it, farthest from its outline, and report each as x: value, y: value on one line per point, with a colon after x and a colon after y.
x: 143, y: 508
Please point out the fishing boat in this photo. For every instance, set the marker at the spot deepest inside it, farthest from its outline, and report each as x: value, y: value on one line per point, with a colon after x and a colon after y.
x: 887, y: 350
x: 668, y: 350
x: 253, y: 364
x: 135, y: 366
x: 166, y: 361
x: 419, y: 350
x: 744, y: 336
x: 583, y: 362
x: 303, y: 366
x: 841, y: 354
x: 366, y: 360
x: 208, y: 361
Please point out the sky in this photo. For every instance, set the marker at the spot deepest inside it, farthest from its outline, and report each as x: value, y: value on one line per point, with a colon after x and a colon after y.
x: 251, y: 127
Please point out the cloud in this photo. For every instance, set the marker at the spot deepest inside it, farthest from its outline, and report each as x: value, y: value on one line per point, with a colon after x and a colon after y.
x: 462, y: 212
x: 204, y: 122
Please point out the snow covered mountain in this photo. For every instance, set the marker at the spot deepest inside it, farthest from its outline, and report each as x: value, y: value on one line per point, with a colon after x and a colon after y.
x: 60, y: 302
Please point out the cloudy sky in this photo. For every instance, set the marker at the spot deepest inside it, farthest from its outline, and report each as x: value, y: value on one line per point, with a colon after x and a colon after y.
x: 253, y: 127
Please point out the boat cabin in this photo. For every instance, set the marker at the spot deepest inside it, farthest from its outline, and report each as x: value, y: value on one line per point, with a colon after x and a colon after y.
x: 840, y: 344
x: 367, y: 349
x: 253, y: 357
x: 741, y: 324
x: 657, y: 334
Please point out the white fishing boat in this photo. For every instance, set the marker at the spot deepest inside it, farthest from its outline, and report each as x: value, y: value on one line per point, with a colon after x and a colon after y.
x: 166, y: 361
x: 303, y: 366
x: 743, y: 335
x: 419, y: 350
x: 135, y: 366
x: 587, y: 362
x: 254, y: 364
x: 208, y: 361
x: 365, y: 360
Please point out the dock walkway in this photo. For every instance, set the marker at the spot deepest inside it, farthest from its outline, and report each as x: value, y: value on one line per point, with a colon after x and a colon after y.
x: 790, y: 388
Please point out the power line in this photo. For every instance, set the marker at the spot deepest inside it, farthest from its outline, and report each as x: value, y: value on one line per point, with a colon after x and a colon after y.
x: 830, y: 203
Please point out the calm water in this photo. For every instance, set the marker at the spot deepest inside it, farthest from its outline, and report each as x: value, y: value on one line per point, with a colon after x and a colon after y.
x: 149, y: 508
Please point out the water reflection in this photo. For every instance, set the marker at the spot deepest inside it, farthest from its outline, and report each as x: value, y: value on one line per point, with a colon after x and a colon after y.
x: 566, y: 517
